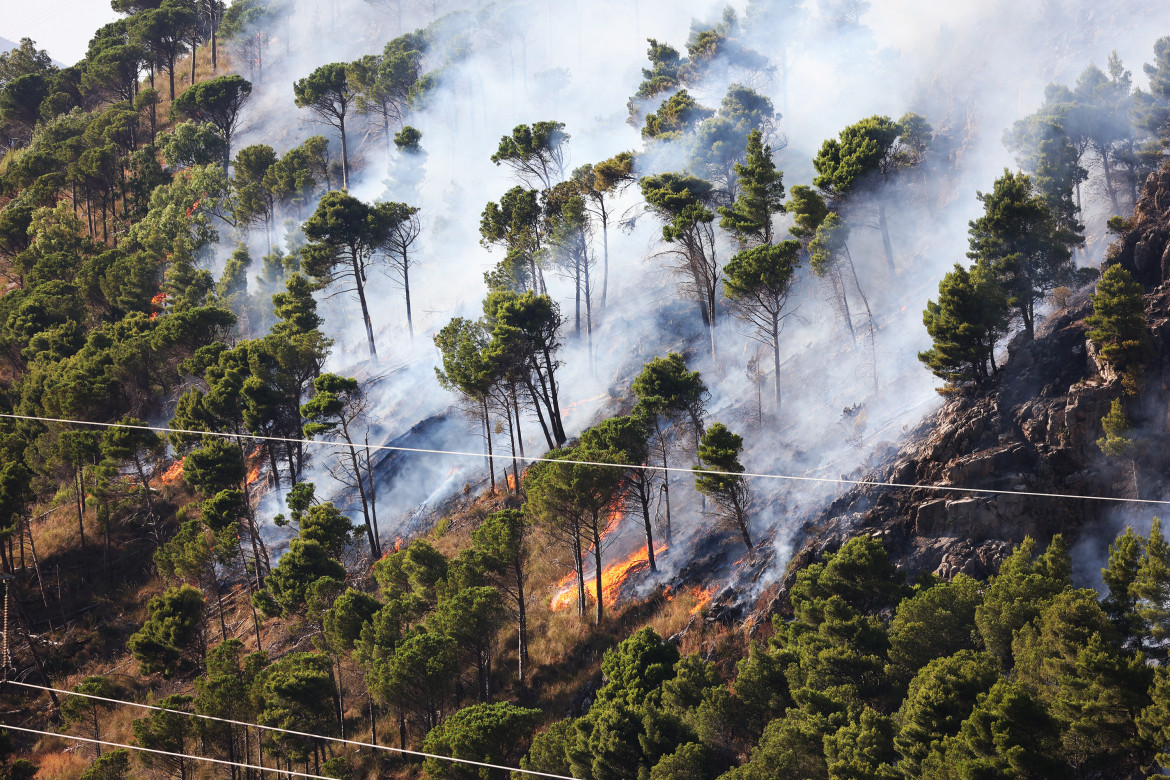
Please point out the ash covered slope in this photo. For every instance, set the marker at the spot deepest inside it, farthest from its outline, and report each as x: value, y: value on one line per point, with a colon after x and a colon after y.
x: 1034, y: 430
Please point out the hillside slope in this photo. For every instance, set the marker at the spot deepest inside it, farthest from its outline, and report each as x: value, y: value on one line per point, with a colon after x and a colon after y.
x: 1034, y: 431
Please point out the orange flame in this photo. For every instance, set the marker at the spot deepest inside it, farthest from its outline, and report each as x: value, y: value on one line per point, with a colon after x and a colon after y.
x: 174, y: 473
x: 398, y: 544
x: 256, y: 458
x: 570, y: 408
x: 511, y: 481
x: 612, y: 579
x: 156, y: 303
x: 702, y: 598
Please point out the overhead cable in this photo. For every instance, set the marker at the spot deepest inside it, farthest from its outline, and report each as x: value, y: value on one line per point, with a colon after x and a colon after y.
x: 643, y: 466
x: 169, y: 753
x: 352, y: 742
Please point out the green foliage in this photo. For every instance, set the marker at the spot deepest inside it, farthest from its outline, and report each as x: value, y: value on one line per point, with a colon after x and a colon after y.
x: 173, y: 632
x: 305, y: 562
x: 549, y: 749
x: 297, y: 692
x: 940, y: 697
x: 718, y: 476
x: 679, y: 114
x: 217, y: 101
x: 1116, y: 443
x: 1019, y: 243
x: 87, y: 713
x: 965, y: 324
x: 1008, y: 734
x: 114, y: 765
x: 407, y: 140
x: 1118, y: 325
x: 862, y: 152
x: 216, y: 466
x: 168, y: 732
x: 534, y: 153
x: 1120, y: 576
x: 1025, y: 583
x: 937, y: 621
x: 482, y: 732
x: 327, y: 526
x: 863, y: 749
x: 328, y: 94
x: 761, y: 194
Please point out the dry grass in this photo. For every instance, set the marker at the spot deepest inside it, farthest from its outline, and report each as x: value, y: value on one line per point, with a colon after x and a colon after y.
x: 61, y: 765
x: 56, y: 532
x: 203, y: 72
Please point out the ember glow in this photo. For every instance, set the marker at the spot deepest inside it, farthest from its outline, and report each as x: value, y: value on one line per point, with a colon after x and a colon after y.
x: 174, y: 473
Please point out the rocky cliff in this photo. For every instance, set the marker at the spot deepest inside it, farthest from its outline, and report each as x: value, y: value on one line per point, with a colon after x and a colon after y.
x: 1033, y: 431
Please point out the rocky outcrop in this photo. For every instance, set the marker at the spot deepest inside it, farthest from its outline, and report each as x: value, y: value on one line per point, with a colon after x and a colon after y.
x: 1033, y: 432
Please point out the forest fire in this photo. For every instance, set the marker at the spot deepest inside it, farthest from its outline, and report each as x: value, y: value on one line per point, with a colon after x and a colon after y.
x: 702, y: 598
x: 173, y: 473
x: 612, y: 578
x: 511, y: 481
x: 255, y: 458
x: 568, y: 409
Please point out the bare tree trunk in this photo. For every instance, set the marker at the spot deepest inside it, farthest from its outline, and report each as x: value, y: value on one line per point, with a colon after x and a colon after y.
x: 522, y: 619
x: 776, y: 357
x: 487, y: 438
x: 600, y: 613
x: 344, y: 154
x: 361, y: 291
x: 579, y: 570
x: 886, y: 244
x: 644, y: 500
x: 406, y: 289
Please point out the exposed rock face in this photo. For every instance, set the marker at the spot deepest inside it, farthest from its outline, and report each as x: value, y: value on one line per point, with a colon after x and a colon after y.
x: 1034, y: 431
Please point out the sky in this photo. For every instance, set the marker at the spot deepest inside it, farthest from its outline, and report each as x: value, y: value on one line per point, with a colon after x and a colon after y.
x: 61, y: 27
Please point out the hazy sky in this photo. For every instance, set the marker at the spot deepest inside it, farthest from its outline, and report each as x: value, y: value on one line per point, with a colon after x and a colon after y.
x: 62, y: 27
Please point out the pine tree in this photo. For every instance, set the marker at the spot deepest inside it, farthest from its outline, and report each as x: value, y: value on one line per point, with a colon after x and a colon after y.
x: 965, y: 324
x: 1118, y: 325
x: 1151, y: 588
x: 719, y: 451
x: 1120, y: 576
x: 761, y: 194
x: 1021, y: 244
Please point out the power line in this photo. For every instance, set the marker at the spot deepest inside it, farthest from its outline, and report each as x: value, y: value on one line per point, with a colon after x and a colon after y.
x: 642, y: 466
x: 355, y: 743
x: 165, y: 752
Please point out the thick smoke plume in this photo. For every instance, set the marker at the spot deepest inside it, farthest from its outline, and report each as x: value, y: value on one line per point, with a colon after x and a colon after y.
x: 971, y: 69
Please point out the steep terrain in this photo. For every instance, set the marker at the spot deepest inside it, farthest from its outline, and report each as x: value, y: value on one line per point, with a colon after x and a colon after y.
x: 1033, y: 431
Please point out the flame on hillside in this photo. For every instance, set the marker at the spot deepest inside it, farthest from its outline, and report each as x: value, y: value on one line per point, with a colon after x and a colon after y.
x: 511, y: 480
x: 701, y: 596
x: 256, y: 459
x: 612, y: 579
x: 174, y: 473
x: 570, y: 408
